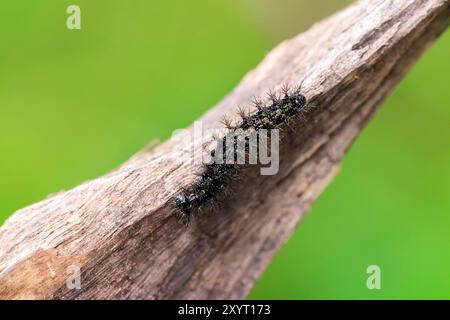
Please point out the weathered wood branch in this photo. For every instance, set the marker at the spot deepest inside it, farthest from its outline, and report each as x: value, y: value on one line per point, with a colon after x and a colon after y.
x: 120, y: 229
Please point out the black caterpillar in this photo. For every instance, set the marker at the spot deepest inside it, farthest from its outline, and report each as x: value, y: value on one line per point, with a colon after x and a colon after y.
x: 216, y: 176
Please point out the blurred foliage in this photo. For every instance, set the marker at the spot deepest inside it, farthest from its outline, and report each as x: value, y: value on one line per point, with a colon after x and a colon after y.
x: 77, y: 103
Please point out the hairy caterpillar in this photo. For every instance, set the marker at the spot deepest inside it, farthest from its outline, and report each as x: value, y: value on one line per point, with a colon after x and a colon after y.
x: 217, y: 175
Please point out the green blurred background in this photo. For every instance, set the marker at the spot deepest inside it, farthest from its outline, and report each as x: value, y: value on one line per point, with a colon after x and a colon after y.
x: 76, y: 103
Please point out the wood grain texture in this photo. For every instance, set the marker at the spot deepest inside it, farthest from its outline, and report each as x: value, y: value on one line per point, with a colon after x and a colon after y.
x: 121, y: 230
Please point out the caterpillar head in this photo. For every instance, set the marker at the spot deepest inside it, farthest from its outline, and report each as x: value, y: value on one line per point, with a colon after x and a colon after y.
x: 182, y: 203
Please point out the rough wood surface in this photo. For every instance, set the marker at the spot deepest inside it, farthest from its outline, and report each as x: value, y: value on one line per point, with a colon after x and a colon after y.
x: 120, y: 229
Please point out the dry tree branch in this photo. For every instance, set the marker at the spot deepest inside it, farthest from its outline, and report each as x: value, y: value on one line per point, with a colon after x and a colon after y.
x: 120, y: 229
